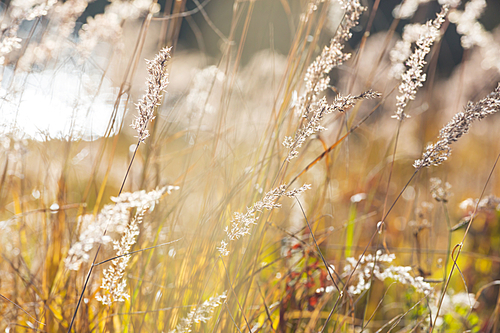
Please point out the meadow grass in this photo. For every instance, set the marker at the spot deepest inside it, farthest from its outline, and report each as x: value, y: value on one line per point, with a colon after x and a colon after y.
x: 349, y: 185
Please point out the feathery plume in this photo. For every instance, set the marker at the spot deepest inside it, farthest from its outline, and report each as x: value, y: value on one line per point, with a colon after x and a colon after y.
x: 20, y: 10
x: 491, y: 202
x: 414, y: 78
x: 113, y: 216
x: 403, y: 48
x: 316, y: 77
x: 436, y: 153
x: 241, y: 223
x: 309, y: 105
x: 317, y: 110
x: 157, y: 83
x: 472, y: 31
x: 197, y: 99
x: 113, y: 282
x: 199, y: 314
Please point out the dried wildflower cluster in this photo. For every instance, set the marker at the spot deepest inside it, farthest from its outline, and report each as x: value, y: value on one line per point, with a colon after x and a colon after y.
x: 413, y: 78
x: 490, y: 203
x: 157, y: 82
x: 20, y: 10
x: 200, y: 314
x: 439, y: 191
x: 113, y: 218
x: 370, y: 264
x: 241, y: 223
x: 310, y: 106
x: 113, y: 282
x: 403, y: 48
x: 436, y: 153
x: 108, y: 26
x: 316, y: 111
x: 54, y: 40
x: 474, y: 34
x: 316, y: 77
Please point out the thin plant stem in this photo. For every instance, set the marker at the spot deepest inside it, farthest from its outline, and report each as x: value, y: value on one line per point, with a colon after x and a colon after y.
x: 458, y: 247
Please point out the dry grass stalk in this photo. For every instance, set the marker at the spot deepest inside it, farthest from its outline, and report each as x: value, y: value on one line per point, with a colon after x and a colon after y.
x: 156, y: 84
x: 414, y: 77
x: 437, y: 153
x: 113, y: 282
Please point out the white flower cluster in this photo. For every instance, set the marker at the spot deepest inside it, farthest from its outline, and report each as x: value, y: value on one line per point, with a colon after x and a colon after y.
x: 7, y: 45
x: 131, y: 9
x: 113, y: 218
x: 241, y: 223
x: 102, y: 27
x: 370, y: 264
x: 199, y: 314
x: 472, y: 31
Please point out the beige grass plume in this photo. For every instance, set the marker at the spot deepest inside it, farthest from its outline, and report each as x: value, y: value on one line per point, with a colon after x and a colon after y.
x: 414, y: 77
x: 438, y: 152
x: 157, y: 82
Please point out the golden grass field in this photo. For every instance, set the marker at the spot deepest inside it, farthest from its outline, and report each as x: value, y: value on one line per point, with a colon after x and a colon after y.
x: 274, y: 166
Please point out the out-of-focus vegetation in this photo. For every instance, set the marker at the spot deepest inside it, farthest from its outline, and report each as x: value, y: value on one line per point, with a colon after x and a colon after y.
x: 278, y: 190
